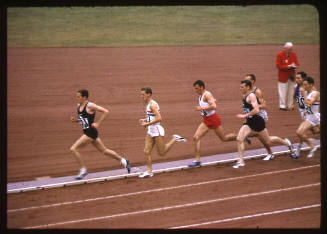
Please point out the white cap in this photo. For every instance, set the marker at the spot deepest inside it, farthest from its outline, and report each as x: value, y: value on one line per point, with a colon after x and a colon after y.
x: 288, y: 45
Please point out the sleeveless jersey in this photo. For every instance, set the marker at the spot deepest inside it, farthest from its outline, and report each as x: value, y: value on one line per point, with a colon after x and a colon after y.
x: 150, y: 116
x: 247, y: 107
x: 299, y: 97
x: 205, y: 104
x: 84, y: 118
x: 314, y: 108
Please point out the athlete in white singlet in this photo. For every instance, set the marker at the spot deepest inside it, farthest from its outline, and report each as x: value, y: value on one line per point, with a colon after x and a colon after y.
x: 155, y: 129
x: 155, y: 132
x: 312, y: 115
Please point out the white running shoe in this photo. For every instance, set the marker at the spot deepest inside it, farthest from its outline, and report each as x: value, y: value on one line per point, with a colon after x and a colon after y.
x: 312, y: 152
x: 146, y: 174
x: 82, y: 174
x: 298, y: 150
x: 239, y: 164
x: 290, y: 146
x: 179, y: 138
x: 268, y: 157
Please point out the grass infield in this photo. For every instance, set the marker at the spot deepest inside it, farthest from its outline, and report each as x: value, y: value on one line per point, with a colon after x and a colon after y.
x: 161, y: 25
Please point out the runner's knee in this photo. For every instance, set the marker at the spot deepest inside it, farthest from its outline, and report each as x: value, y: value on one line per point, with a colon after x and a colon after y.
x: 196, y: 138
x: 146, y: 151
x: 240, y: 138
x: 299, y: 132
x: 73, y: 149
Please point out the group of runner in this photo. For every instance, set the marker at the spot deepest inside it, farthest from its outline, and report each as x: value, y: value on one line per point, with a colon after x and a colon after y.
x: 254, y: 115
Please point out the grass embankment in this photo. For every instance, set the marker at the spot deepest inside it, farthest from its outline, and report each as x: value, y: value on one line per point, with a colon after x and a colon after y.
x: 161, y: 25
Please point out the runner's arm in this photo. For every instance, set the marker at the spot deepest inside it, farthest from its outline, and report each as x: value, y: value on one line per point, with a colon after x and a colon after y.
x: 93, y: 107
x: 261, y: 100
x: 210, y: 99
x: 315, y: 98
x: 254, y: 103
x: 157, y: 115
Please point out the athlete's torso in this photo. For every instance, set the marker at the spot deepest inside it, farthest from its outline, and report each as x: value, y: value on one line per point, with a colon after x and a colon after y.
x: 299, y: 97
x: 314, y: 108
x: 84, y: 118
x: 150, y: 116
x: 205, y: 104
x: 247, y: 107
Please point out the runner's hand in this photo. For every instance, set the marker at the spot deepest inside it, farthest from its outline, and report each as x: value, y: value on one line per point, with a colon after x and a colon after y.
x: 241, y: 116
x: 73, y: 119
x: 95, y: 125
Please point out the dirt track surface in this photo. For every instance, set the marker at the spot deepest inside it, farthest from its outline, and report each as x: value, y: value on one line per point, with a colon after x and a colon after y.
x: 282, y: 193
x: 42, y: 84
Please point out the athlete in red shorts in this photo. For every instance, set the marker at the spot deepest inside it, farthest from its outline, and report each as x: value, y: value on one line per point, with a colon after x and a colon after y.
x: 207, y: 107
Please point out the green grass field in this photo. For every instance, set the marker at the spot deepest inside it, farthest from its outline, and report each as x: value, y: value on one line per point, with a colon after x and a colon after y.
x: 161, y: 26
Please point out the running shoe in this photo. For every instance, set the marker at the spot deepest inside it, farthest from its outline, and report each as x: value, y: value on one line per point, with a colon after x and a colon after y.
x: 290, y: 146
x: 268, y: 157
x: 293, y: 155
x: 312, y: 152
x: 179, y: 138
x: 82, y: 174
x: 298, y: 150
x: 128, y: 167
x: 146, y: 174
x: 239, y: 164
x: 195, y: 164
x: 248, y: 140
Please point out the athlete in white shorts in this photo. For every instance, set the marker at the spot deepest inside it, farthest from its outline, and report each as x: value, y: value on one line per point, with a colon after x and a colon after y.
x: 312, y: 115
x: 155, y: 132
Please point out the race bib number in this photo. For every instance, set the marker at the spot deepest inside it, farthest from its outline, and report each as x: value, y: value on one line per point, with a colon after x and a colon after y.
x: 84, y: 122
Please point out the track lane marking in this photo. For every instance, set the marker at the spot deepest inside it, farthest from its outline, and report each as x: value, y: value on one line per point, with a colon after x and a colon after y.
x: 247, y: 216
x: 160, y: 189
x: 173, y: 207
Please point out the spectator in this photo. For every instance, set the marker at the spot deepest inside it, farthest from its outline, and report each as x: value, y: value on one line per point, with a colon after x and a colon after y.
x: 286, y: 63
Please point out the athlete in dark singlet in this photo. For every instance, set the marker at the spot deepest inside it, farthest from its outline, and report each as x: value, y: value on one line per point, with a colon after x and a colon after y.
x: 86, y: 114
x: 262, y: 113
x: 254, y: 123
x: 298, y: 90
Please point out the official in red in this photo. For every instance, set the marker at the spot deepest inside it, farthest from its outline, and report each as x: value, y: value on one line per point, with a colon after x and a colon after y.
x: 286, y: 63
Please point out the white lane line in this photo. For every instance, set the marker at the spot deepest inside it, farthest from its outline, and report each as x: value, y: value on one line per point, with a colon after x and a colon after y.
x: 160, y: 189
x: 247, y: 216
x: 173, y: 207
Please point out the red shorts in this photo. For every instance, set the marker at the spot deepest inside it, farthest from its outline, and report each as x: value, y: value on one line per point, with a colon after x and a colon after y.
x: 212, y: 121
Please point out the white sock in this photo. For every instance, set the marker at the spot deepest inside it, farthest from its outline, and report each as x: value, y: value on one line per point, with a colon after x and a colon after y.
x: 82, y: 170
x: 123, y: 161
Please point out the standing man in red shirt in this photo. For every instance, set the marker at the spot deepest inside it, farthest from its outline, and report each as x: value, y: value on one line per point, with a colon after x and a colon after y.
x: 286, y: 62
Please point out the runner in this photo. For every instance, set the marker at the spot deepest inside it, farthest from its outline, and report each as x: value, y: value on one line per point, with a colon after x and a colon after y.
x: 254, y: 123
x: 86, y: 113
x: 312, y: 116
x: 262, y: 112
x: 211, y: 120
x: 155, y: 132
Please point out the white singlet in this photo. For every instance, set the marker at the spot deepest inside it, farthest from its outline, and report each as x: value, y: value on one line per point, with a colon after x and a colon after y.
x: 155, y: 129
x: 205, y: 104
x: 312, y: 114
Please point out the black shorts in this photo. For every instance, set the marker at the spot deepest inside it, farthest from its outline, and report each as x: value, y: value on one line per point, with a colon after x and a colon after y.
x: 91, y: 132
x: 256, y: 123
